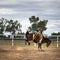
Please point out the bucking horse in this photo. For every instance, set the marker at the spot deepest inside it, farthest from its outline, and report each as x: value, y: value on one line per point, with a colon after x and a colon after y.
x: 35, y: 39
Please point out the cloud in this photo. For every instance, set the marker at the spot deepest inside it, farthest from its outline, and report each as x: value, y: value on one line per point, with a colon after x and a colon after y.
x: 25, y: 24
x: 8, y: 2
x: 4, y: 11
x: 53, y: 26
x: 23, y: 9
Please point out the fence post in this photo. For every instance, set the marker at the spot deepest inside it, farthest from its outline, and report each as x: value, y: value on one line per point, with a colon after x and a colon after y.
x: 12, y: 36
x: 57, y: 41
x: 24, y: 37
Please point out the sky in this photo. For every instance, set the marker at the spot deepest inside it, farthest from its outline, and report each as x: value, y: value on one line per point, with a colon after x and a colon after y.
x: 21, y: 10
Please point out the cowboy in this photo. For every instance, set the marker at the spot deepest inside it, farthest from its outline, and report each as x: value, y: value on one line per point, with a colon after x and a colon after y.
x: 39, y: 32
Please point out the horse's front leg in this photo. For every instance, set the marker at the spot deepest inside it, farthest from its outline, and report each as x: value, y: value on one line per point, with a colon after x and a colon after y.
x: 27, y: 42
x: 39, y: 46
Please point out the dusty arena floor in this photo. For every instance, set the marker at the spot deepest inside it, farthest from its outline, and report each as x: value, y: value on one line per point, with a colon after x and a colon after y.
x: 28, y: 53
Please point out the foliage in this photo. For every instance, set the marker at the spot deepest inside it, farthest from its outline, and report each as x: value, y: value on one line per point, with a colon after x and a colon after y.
x: 36, y: 23
x: 33, y: 19
x: 2, y: 25
x: 42, y: 24
x: 13, y: 26
x: 9, y: 26
x: 55, y: 33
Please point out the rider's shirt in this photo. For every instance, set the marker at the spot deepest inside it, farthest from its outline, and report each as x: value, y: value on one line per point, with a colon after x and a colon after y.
x: 40, y: 35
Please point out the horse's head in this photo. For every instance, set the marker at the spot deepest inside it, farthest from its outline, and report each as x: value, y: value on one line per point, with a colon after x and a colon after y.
x: 30, y: 36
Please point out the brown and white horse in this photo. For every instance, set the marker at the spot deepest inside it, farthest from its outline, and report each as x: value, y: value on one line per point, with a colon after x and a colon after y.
x: 35, y: 39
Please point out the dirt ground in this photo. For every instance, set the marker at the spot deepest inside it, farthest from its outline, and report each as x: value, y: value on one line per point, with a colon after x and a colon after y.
x: 28, y: 53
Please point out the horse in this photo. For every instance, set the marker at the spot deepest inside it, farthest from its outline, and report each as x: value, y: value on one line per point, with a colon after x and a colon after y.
x: 36, y: 38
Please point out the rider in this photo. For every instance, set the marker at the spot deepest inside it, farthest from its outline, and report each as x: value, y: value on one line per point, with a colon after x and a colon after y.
x: 39, y: 31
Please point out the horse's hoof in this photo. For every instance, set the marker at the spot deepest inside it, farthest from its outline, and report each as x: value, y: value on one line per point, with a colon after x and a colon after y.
x: 40, y: 50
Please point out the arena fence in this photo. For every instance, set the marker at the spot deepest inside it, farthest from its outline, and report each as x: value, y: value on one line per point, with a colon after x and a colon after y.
x: 56, y: 38
x: 12, y: 36
x: 15, y: 38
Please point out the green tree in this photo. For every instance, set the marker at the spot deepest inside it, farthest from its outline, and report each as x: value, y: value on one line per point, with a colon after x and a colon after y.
x: 30, y: 28
x: 36, y: 23
x: 9, y: 26
x: 58, y: 33
x: 34, y: 20
x: 42, y: 25
x: 13, y: 26
x: 2, y: 25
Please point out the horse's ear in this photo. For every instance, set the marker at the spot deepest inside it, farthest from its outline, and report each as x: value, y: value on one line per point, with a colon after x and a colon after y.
x: 36, y: 30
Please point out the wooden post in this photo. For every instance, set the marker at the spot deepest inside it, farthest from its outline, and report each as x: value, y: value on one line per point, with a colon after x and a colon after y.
x: 57, y: 41
x: 24, y: 37
x: 12, y: 40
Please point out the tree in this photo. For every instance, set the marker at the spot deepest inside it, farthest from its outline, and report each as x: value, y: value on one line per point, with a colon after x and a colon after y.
x: 13, y: 26
x: 30, y: 28
x: 9, y: 26
x: 34, y: 20
x: 36, y: 23
x: 58, y: 33
x: 42, y: 25
x: 2, y: 25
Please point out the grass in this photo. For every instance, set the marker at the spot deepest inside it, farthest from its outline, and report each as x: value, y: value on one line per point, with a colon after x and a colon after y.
x: 22, y: 43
